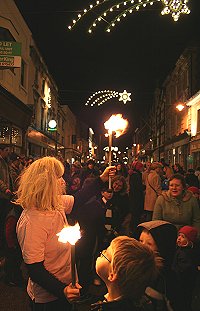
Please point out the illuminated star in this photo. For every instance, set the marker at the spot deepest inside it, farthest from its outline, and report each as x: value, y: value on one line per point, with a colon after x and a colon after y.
x: 175, y: 7
x: 124, y: 96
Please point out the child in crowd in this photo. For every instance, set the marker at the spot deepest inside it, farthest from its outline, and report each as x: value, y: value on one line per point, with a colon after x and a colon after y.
x: 186, y: 262
x: 111, y: 219
x: 126, y: 267
x: 164, y: 292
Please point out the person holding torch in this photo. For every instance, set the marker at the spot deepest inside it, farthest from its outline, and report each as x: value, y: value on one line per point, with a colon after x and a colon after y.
x: 41, y: 194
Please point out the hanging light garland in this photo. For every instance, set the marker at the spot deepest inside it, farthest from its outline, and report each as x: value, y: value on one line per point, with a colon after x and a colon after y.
x: 117, y: 12
x: 100, y: 97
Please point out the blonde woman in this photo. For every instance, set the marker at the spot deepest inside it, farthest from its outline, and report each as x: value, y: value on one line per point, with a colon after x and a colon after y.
x: 41, y: 194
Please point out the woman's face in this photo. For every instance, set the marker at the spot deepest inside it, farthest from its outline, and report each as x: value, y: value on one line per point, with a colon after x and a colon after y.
x: 175, y: 187
x: 147, y: 240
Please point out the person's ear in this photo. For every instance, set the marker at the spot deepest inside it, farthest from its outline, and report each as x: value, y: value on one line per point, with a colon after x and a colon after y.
x: 112, y: 277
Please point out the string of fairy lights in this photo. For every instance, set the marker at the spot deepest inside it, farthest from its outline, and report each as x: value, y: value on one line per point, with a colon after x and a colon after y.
x: 100, y: 97
x: 115, y: 13
x: 5, y: 133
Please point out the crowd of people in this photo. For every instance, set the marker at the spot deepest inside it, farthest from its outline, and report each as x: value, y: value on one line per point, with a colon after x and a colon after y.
x: 139, y: 237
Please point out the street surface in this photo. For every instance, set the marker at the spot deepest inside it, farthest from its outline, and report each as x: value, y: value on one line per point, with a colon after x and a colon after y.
x: 16, y: 299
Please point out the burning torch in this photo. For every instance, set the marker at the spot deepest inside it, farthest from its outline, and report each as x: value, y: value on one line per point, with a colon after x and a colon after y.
x: 71, y: 234
x: 118, y: 125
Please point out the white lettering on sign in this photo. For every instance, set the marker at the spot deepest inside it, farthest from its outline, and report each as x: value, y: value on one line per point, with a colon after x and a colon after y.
x: 3, y: 43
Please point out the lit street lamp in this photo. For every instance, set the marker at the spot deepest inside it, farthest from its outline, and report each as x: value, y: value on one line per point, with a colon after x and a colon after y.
x: 53, y: 128
x: 180, y: 107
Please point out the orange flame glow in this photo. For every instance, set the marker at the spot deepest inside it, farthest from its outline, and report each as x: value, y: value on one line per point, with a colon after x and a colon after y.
x: 69, y: 234
x: 116, y: 124
x: 180, y: 107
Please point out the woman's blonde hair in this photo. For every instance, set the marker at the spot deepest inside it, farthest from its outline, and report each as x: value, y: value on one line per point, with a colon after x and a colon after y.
x: 135, y: 266
x: 40, y: 185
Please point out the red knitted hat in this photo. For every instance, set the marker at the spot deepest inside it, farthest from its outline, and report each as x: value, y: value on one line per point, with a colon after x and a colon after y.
x: 190, y: 233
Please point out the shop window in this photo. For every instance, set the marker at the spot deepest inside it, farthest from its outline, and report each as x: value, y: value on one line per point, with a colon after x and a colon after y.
x: 4, y: 134
x: 16, y: 136
x: 10, y: 135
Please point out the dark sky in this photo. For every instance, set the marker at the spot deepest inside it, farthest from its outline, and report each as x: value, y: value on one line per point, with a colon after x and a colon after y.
x: 137, y: 55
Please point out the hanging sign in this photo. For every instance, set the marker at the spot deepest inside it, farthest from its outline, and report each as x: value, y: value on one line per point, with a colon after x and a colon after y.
x: 10, y: 54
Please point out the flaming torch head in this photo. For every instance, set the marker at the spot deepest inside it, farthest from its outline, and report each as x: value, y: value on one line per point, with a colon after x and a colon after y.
x: 116, y: 124
x: 69, y: 234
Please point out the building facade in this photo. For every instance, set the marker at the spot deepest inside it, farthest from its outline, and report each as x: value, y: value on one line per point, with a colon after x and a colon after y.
x: 171, y: 134
x: 29, y: 99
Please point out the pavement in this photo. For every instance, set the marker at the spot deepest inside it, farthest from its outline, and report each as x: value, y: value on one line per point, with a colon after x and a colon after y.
x: 13, y: 298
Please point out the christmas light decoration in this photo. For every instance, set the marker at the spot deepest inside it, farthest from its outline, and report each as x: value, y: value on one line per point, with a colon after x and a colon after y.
x: 175, y: 7
x: 100, y: 97
x: 112, y: 14
x: 124, y: 96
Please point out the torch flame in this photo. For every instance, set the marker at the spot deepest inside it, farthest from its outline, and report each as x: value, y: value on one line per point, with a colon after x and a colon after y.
x: 116, y: 124
x: 69, y: 234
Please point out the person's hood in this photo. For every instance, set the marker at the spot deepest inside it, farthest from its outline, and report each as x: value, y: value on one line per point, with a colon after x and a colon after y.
x: 164, y: 234
x: 167, y: 196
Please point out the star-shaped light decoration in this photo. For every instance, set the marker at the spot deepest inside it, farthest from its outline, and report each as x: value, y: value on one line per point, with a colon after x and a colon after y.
x: 175, y: 7
x: 100, y: 97
x: 124, y: 96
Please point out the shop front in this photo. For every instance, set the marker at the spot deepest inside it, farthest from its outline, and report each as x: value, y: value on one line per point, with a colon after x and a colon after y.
x: 40, y: 144
x: 178, y: 151
x: 15, y: 118
x: 195, y: 152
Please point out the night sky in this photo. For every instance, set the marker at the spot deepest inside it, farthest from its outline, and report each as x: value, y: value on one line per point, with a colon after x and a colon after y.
x: 136, y: 56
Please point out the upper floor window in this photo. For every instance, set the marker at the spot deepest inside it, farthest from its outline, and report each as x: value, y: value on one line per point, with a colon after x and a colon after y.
x: 5, y: 35
x: 198, y: 120
x: 23, y: 73
x: 36, y: 77
x: 43, y: 85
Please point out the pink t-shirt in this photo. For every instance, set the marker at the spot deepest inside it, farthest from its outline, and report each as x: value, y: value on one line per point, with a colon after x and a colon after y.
x: 36, y: 232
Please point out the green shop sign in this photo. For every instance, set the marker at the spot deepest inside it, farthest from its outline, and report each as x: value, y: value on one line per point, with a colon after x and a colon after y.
x: 10, y: 54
